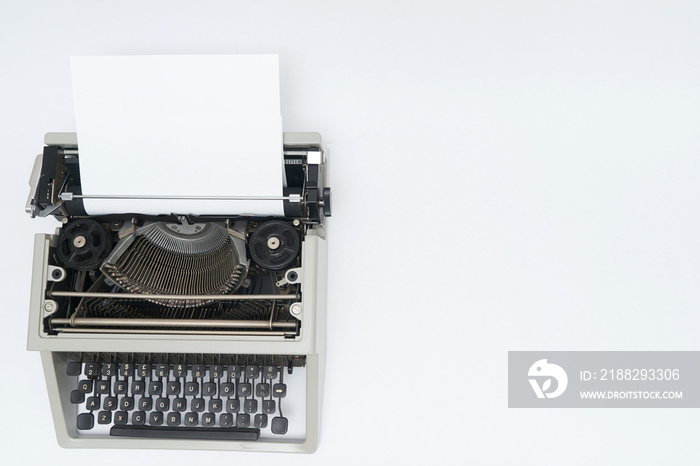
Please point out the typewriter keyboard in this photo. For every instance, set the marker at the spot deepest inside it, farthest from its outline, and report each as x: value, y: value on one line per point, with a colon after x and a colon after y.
x: 227, y: 397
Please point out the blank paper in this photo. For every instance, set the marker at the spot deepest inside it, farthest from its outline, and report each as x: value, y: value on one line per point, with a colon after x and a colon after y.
x: 179, y: 126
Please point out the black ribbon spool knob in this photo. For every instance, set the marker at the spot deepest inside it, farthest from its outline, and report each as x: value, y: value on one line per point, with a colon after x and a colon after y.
x: 83, y: 244
x: 274, y: 245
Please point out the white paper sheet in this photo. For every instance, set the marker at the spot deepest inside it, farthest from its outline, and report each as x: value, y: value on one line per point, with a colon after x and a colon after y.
x: 179, y: 126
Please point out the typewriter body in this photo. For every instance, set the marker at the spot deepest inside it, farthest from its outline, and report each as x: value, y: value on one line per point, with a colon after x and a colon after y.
x: 180, y: 331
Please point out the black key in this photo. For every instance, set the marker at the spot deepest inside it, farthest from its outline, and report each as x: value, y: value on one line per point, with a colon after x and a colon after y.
x: 198, y: 405
x: 279, y: 390
x: 173, y: 388
x: 198, y: 371
x: 126, y: 369
x: 155, y: 388
x: 92, y: 369
x: 197, y: 433
x: 85, y: 421
x: 233, y: 371
x: 250, y: 406
x: 104, y: 417
x: 120, y: 417
x: 269, y: 406
x: 216, y: 371
x: 226, y: 420
x: 73, y: 368
x: 191, y: 419
x: 262, y: 390
x: 162, y: 404
x: 85, y: 386
x: 208, y: 419
x: 121, y: 387
x: 215, y: 405
x: 226, y: 389
x: 244, y: 389
x: 209, y: 389
x: 138, y: 418
x: 109, y: 369
x: 138, y: 387
x: 270, y: 372
x: 233, y: 406
x: 162, y: 370
x: 110, y: 403
x: 93, y: 403
x: 243, y: 420
x: 126, y: 403
x: 191, y: 389
x: 252, y: 372
x: 102, y: 387
x: 174, y: 419
x: 155, y: 418
x: 260, y: 421
x: 180, y: 405
x: 145, y: 403
x: 77, y: 397
x: 279, y: 425
x: 143, y: 370
x: 180, y: 370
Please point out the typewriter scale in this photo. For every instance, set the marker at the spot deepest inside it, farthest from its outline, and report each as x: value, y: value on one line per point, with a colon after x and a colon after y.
x: 181, y: 331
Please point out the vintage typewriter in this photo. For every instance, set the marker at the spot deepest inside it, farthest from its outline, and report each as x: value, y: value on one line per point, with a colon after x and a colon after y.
x: 180, y: 331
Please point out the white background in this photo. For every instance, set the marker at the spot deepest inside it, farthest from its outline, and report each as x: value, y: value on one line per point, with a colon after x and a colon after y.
x: 507, y: 176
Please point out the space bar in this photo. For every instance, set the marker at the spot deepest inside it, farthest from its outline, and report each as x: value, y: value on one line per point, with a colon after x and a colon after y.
x: 197, y: 433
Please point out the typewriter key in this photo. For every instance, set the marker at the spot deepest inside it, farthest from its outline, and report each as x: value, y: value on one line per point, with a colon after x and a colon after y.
x: 155, y: 418
x: 191, y: 419
x: 250, y: 406
x: 145, y: 403
x: 104, y: 417
x: 279, y: 425
x: 279, y: 390
x: 209, y: 389
x: 85, y: 421
x: 262, y: 390
x: 226, y: 420
x: 198, y: 405
x: 110, y: 403
x: 215, y: 405
x: 252, y: 371
x: 120, y: 417
x: 243, y: 420
x: 109, y: 369
x: 233, y: 406
x: 77, y: 397
x: 162, y: 404
x: 92, y: 369
x: 138, y: 419
x: 93, y: 403
x: 180, y: 405
x: 208, y: 419
x: 85, y: 386
x: 260, y: 421
x: 174, y: 419
x: 269, y: 406
x: 191, y: 389
x: 102, y: 387
x: 173, y: 388
x: 73, y: 368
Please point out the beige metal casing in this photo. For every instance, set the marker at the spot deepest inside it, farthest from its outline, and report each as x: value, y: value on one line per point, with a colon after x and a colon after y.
x: 310, y: 343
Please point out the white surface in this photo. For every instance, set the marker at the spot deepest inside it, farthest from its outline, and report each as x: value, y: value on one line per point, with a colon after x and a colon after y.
x: 506, y: 176
x: 205, y: 125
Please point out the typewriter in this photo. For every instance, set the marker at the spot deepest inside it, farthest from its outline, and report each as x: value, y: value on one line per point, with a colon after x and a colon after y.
x: 181, y: 331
